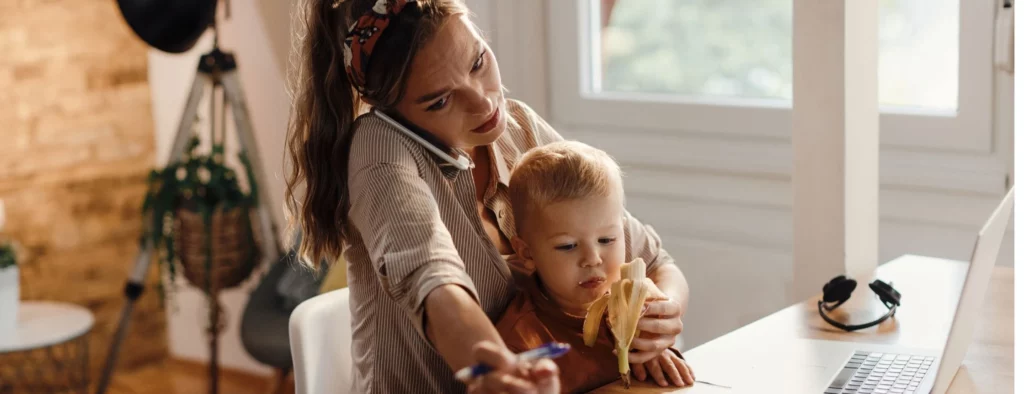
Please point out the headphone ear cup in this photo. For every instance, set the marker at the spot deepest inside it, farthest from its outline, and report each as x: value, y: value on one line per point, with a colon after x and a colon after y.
x: 885, y: 292
x: 838, y: 289
x: 832, y: 283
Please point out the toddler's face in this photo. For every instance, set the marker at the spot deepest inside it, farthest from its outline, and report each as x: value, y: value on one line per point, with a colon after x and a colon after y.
x: 577, y: 248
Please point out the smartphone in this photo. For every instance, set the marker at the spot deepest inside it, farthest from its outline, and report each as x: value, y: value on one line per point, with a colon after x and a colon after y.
x: 428, y: 141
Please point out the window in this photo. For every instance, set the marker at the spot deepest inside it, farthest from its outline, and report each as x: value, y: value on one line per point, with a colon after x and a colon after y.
x: 719, y: 49
x: 713, y: 48
x: 713, y: 66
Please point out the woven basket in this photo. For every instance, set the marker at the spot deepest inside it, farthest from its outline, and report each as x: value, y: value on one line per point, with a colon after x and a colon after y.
x: 234, y: 246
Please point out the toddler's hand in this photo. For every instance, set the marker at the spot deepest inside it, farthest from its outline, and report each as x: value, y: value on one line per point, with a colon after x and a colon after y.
x: 666, y: 364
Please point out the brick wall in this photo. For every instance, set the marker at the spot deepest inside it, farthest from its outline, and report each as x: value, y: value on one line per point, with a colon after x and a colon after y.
x: 76, y: 143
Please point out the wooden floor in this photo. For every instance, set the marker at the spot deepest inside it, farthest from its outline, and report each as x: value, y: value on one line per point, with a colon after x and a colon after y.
x: 183, y: 377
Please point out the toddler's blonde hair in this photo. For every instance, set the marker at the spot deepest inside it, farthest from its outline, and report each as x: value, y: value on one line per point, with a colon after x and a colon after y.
x: 561, y: 171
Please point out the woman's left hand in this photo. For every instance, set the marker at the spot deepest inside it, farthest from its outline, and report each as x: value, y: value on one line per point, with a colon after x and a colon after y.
x: 658, y: 328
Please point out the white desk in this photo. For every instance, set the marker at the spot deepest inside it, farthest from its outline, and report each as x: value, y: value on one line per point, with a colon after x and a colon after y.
x: 930, y: 289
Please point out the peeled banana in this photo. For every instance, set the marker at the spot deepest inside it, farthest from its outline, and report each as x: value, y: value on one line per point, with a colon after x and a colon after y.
x: 624, y: 304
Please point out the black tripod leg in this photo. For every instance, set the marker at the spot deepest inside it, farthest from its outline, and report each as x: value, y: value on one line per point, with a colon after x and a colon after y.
x: 132, y: 290
x: 136, y: 283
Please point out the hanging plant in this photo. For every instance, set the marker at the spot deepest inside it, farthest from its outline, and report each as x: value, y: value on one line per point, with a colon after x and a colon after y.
x: 8, y: 256
x: 201, y: 220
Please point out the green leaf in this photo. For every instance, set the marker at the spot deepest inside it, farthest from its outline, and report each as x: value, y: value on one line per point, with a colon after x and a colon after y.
x: 8, y: 256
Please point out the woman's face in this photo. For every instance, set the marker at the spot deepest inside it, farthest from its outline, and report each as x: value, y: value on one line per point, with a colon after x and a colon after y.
x: 454, y: 88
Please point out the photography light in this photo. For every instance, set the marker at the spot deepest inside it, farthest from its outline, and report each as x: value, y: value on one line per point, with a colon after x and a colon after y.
x: 169, y: 25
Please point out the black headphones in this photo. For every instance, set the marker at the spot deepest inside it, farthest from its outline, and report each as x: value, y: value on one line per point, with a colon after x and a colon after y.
x: 839, y: 289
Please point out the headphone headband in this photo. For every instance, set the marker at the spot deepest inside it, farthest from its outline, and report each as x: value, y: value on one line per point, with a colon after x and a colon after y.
x: 840, y: 288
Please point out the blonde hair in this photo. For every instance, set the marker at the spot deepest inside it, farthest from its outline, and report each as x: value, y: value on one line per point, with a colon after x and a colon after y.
x: 561, y: 171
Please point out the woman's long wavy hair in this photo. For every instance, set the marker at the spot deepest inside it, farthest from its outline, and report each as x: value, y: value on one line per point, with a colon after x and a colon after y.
x: 325, y: 106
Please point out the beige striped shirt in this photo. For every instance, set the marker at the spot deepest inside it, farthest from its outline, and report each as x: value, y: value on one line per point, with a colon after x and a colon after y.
x: 414, y: 226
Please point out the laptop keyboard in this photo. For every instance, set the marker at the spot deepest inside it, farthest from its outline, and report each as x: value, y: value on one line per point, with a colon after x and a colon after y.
x: 878, y: 373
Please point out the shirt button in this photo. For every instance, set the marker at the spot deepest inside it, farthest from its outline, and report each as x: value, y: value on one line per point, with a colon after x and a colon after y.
x: 501, y: 214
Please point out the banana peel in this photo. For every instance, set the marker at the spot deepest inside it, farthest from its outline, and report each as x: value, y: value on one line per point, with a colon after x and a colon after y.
x: 624, y: 304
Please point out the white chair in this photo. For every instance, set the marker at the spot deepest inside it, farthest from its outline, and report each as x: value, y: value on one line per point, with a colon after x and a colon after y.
x: 320, y: 332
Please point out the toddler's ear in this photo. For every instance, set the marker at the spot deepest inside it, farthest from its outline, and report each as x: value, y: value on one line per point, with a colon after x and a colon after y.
x: 523, y: 250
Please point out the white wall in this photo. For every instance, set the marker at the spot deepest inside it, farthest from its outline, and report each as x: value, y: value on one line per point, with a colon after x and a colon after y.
x: 262, y: 79
x: 723, y: 205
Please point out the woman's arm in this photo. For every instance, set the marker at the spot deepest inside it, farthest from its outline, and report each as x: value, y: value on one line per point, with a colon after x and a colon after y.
x: 465, y: 336
x: 659, y: 327
x: 460, y: 324
x: 662, y: 322
x: 417, y: 265
x: 671, y: 281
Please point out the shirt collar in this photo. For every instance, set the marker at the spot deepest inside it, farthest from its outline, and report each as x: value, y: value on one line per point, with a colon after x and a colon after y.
x: 501, y: 167
x: 504, y: 173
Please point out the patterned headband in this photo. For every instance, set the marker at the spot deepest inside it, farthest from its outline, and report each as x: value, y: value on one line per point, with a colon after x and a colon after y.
x: 362, y: 37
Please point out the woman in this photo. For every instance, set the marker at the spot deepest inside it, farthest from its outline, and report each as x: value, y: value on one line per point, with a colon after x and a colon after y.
x: 423, y: 213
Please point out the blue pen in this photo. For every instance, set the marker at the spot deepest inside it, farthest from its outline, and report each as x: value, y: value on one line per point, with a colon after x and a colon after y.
x: 548, y: 350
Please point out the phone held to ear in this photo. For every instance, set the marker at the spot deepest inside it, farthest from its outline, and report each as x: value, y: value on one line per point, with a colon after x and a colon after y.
x: 462, y: 163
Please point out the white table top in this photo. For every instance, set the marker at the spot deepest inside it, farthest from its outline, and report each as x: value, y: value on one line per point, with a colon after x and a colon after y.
x: 46, y: 323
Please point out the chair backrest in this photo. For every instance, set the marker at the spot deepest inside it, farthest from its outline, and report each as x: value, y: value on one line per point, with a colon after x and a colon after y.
x: 320, y: 331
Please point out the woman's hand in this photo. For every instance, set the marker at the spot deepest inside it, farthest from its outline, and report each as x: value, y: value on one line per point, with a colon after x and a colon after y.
x: 509, y: 377
x: 658, y: 328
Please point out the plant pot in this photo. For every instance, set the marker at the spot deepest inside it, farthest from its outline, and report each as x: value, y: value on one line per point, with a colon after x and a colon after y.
x: 10, y: 296
x: 234, y: 247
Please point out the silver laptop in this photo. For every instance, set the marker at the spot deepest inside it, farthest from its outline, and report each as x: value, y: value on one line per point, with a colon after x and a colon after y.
x: 885, y: 369
x: 754, y: 361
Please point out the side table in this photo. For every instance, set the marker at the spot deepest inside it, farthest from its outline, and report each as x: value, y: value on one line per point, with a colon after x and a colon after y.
x: 49, y: 352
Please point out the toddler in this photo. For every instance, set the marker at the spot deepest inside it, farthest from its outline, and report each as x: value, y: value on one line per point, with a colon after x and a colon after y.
x: 567, y: 201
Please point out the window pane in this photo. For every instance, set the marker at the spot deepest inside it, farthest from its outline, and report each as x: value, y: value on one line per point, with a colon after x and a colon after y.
x: 713, y: 48
x: 919, y: 53
x: 698, y: 47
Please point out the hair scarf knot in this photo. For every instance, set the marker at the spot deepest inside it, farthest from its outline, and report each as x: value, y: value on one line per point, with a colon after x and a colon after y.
x: 362, y: 36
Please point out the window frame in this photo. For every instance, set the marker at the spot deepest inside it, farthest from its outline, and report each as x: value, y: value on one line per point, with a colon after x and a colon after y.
x: 573, y: 102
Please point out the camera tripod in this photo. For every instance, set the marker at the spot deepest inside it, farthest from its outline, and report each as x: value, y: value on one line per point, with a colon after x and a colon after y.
x: 217, y: 69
